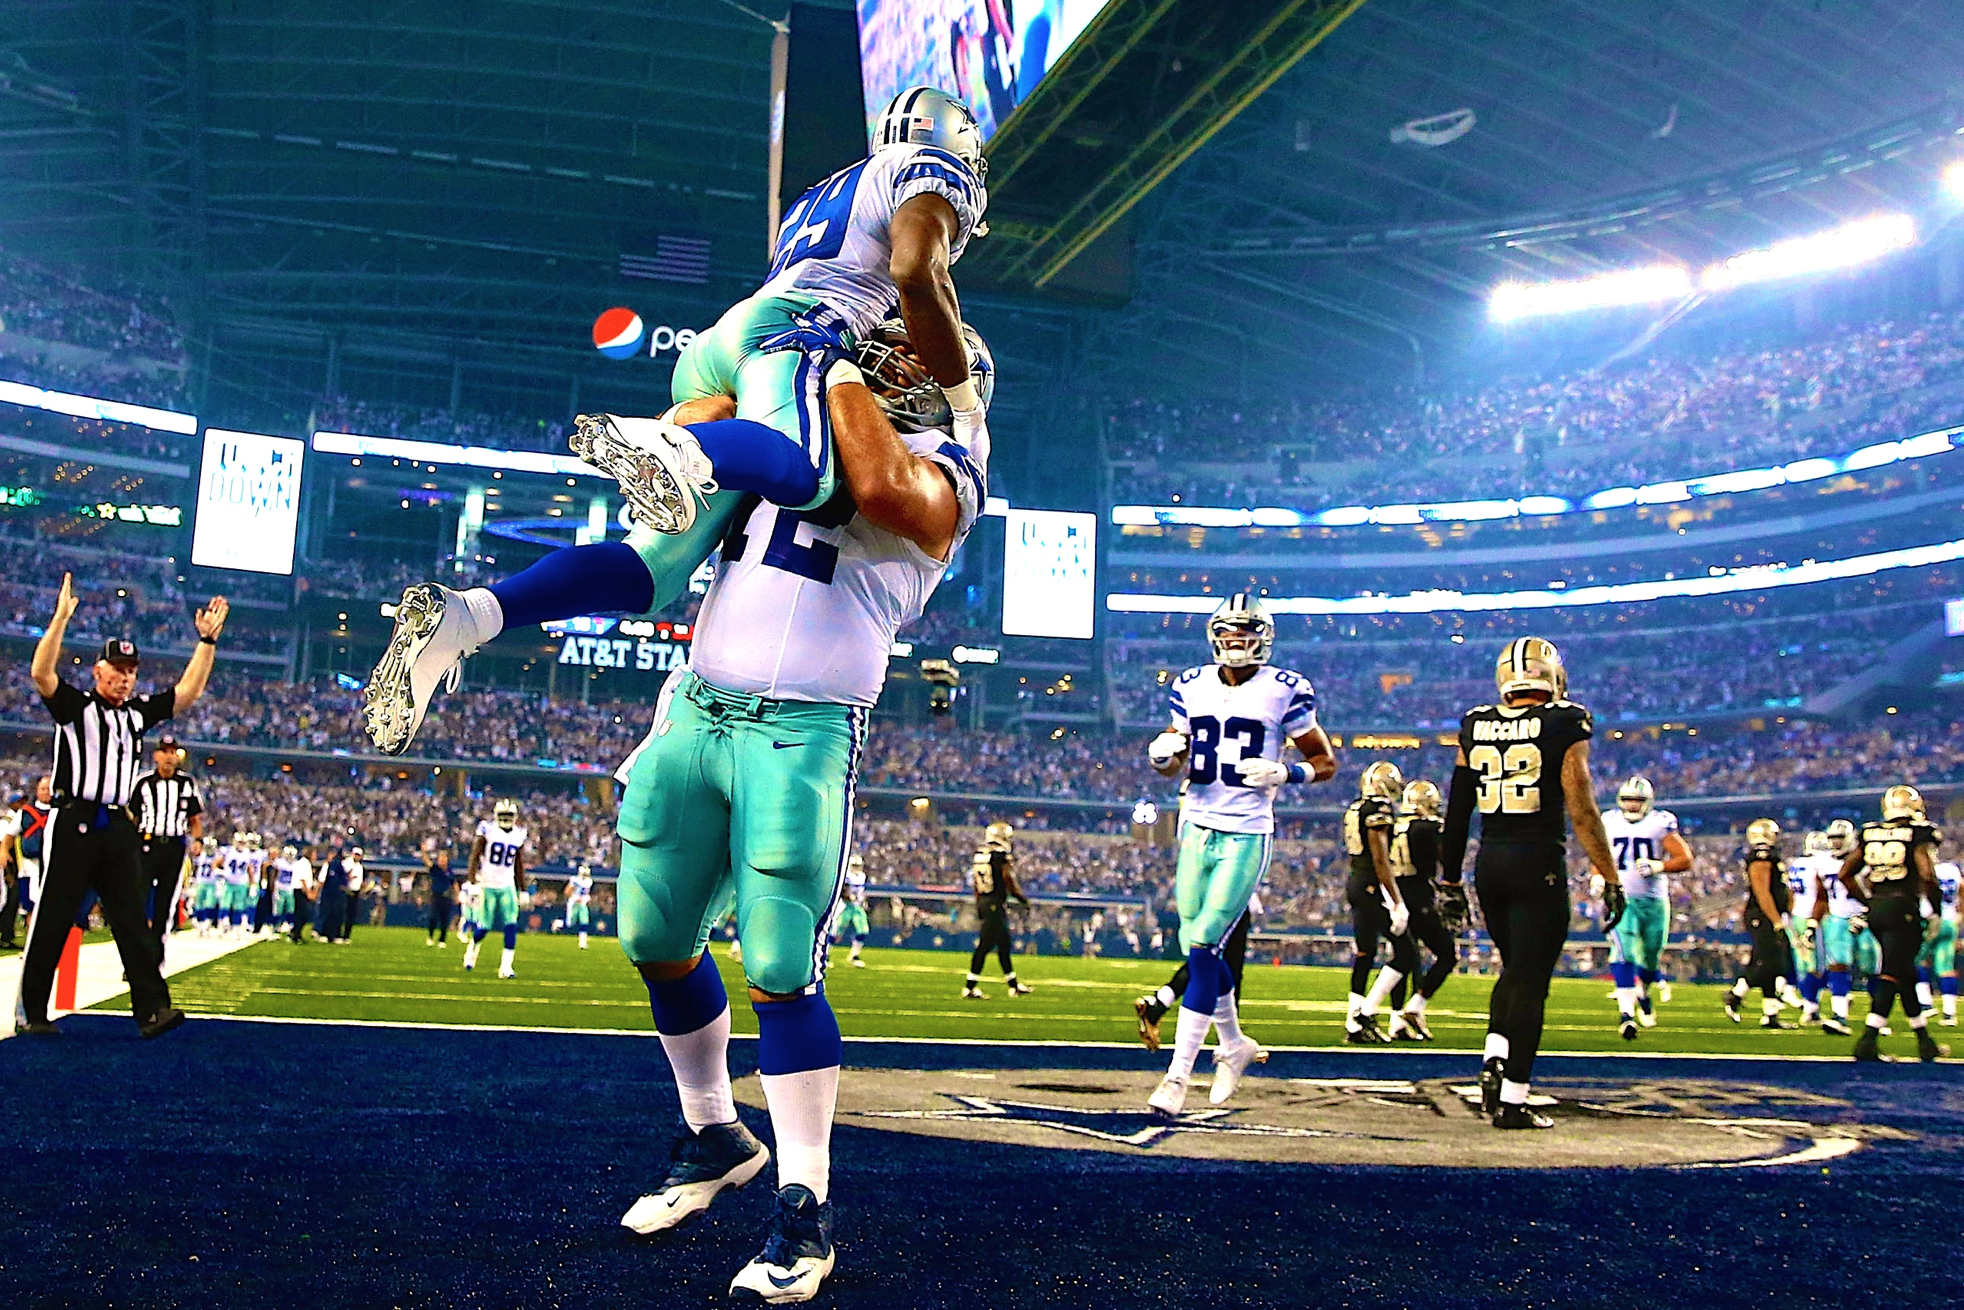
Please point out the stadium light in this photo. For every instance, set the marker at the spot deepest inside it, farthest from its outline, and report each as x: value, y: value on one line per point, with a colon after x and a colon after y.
x: 1511, y: 301
x: 1842, y: 247
x: 1954, y: 179
x: 438, y: 452
x: 110, y: 411
x: 1759, y: 577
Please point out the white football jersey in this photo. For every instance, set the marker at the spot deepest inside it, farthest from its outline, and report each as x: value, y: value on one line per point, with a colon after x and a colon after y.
x: 243, y: 868
x: 1841, y: 901
x: 855, y: 884
x: 283, y: 874
x: 1227, y: 724
x: 836, y: 241
x: 1631, y: 840
x: 805, y: 606
x: 499, y: 867
x: 1802, y: 870
x: 579, y: 889
x: 1947, y: 887
x: 204, y: 868
x: 303, y: 873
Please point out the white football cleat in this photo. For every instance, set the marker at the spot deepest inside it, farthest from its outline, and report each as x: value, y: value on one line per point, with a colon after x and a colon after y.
x: 1648, y: 1018
x: 797, y: 1255
x: 660, y: 466
x: 1230, y: 1064
x: 701, y: 1165
x: 434, y: 633
x: 1170, y: 1097
x: 1663, y: 992
x: 507, y: 973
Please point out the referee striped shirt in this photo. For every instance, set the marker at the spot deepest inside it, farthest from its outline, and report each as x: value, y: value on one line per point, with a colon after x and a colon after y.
x: 164, y: 806
x: 99, y: 746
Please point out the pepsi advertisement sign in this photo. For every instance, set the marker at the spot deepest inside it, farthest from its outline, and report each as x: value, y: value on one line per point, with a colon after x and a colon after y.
x: 620, y: 333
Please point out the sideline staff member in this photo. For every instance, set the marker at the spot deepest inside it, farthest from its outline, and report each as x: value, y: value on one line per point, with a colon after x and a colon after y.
x: 92, y: 843
x: 170, y: 814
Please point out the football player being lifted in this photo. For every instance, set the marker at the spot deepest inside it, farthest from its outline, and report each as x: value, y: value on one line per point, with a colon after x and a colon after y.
x: 1377, y: 904
x: 1524, y: 767
x: 1648, y: 848
x: 1230, y: 722
x: 1891, y: 869
x: 875, y: 236
x: 1769, y: 905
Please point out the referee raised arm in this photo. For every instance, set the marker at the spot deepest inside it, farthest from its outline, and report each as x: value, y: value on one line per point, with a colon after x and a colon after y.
x: 92, y: 841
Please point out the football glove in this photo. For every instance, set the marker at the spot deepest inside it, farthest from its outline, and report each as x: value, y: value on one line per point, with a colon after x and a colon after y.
x: 1401, y: 919
x: 1454, y: 912
x: 1858, y: 923
x: 1648, y: 868
x: 1808, y: 931
x: 814, y: 331
x: 1167, y: 747
x: 1614, y: 903
x: 1258, y: 772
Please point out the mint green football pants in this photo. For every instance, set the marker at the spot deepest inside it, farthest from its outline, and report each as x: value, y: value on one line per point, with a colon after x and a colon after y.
x: 778, y: 388
x: 497, y: 909
x: 744, y: 798
x: 1217, y: 873
x: 1639, y: 935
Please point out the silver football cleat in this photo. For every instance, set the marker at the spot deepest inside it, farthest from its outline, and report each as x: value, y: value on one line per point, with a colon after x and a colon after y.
x: 433, y: 635
x: 660, y: 467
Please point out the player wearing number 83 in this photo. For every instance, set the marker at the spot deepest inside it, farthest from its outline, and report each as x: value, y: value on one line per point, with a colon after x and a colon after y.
x: 1230, y: 722
x: 1524, y: 765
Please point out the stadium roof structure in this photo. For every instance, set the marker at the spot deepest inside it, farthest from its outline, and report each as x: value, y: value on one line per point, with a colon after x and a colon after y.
x: 449, y: 179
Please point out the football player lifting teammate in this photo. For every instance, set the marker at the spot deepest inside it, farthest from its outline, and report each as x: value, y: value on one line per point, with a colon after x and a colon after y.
x: 1892, y: 865
x: 1524, y: 765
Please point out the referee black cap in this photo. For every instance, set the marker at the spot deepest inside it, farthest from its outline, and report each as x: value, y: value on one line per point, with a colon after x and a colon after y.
x: 119, y: 650
x: 167, y: 741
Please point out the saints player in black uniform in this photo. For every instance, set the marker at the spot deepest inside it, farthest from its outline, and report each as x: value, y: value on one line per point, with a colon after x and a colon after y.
x: 1892, y: 865
x: 995, y: 882
x: 1437, y: 918
x: 1377, y: 907
x: 1523, y: 764
x: 1769, y: 908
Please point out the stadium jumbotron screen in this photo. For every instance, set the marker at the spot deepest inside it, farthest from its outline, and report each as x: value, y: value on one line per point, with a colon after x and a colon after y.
x: 1049, y: 573
x: 992, y: 53
x: 248, y: 510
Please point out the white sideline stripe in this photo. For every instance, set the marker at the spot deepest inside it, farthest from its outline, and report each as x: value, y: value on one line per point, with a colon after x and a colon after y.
x: 1470, y: 1052
x: 99, y: 975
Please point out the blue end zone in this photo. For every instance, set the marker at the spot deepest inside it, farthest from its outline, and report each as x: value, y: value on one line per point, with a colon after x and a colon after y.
x: 244, y: 1164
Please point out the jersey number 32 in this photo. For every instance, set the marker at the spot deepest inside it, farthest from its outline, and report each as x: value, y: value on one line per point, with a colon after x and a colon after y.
x: 1510, y: 782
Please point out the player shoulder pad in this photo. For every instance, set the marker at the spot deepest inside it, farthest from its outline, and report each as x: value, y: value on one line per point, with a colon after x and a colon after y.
x: 1670, y: 820
x: 918, y: 170
x: 1378, y: 813
x: 1191, y: 675
x: 1578, y: 714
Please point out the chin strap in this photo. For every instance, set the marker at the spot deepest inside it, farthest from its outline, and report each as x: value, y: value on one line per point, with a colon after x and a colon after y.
x: 1459, y: 823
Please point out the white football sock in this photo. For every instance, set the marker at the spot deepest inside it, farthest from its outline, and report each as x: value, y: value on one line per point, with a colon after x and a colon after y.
x: 701, y: 1063
x: 1496, y: 1047
x: 487, y: 614
x: 1920, y: 1020
x: 1923, y: 996
x: 1626, y: 1000
x: 583, y: 941
x: 505, y: 959
x: 801, y: 1120
x: 1188, y: 1038
x: 1950, y: 1007
x: 1387, y: 978
x: 1227, y: 1021
x: 1875, y: 1020
x: 1166, y: 997
x: 1840, y: 1007
x: 1513, y: 1093
x: 1416, y: 1006
x: 1739, y: 988
x: 1769, y: 1005
x: 1356, y: 1004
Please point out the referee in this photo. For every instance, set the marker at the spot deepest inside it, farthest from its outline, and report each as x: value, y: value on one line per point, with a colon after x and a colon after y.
x: 92, y: 844
x: 168, y: 811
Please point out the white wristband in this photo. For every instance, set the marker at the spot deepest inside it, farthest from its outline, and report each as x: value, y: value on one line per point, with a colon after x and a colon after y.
x: 963, y: 399
x: 844, y: 371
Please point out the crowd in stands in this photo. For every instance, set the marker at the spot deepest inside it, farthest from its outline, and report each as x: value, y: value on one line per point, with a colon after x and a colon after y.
x: 121, y: 595
x: 35, y: 302
x: 1666, y: 415
x: 456, y: 427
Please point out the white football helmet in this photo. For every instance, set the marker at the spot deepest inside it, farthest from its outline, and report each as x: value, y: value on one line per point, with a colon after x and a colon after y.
x: 924, y: 116
x: 1241, y: 632
x: 905, y: 389
x: 1841, y: 837
x: 506, y: 814
x: 1636, y: 796
x: 1815, y: 843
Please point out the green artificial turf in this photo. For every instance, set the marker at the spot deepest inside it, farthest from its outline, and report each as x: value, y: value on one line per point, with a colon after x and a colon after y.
x: 389, y: 975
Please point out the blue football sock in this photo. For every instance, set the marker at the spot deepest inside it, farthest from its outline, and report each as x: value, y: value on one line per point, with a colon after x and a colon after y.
x: 1924, y: 976
x: 511, y: 937
x: 1623, y: 975
x: 796, y: 1035
x: 605, y: 578
x: 1948, y: 984
x: 480, y: 934
x: 1810, y: 988
x: 1648, y: 976
x: 689, y: 1003
x: 1840, y: 984
x: 755, y: 457
x: 1203, y: 981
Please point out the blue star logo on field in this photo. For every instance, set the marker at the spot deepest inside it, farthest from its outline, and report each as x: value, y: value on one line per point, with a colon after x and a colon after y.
x: 1136, y: 1128
x: 618, y: 333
